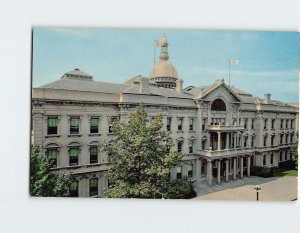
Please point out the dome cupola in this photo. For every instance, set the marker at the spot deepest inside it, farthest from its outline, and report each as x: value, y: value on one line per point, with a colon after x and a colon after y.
x: 164, y: 73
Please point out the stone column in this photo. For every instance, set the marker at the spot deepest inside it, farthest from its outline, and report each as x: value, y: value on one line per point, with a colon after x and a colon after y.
x: 209, y: 172
x: 227, y: 141
x: 219, y: 140
x: 234, y: 140
x: 248, y: 165
x: 227, y: 170
x: 242, y: 165
x: 198, y: 170
x: 234, y: 168
x: 219, y: 171
x: 208, y: 141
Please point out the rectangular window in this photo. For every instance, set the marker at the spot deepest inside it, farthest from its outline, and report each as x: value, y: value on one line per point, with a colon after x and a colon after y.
x: 272, y: 159
x: 73, y: 158
x: 93, y: 187
x: 264, y: 160
x: 286, y: 138
x: 286, y: 155
x: 280, y: 156
x: 94, y: 125
x: 246, y: 123
x: 191, y: 124
x: 273, y: 124
x: 240, y: 121
x: 52, y: 125
x: 191, y: 146
x: 287, y: 123
x: 203, y: 124
x: 74, y: 125
x: 180, y: 121
x: 265, y: 140
x: 169, y: 120
x: 272, y: 140
x: 281, y: 123
x: 179, y: 146
x: 190, y: 170
x: 252, y: 141
x: 281, y: 139
x: 93, y: 154
x: 111, y: 122
x: 178, y: 173
x: 292, y: 123
x: 252, y: 123
x: 52, y: 156
x: 265, y: 123
x: 74, y: 189
x: 291, y: 138
x: 203, y: 144
x: 245, y: 141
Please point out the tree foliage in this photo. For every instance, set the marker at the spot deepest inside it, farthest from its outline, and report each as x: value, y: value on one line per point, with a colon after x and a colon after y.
x: 294, y: 152
x: 140, y: 157
x: 43, y: 182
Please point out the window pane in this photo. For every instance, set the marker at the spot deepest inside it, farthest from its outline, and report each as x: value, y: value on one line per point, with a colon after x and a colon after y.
x: 94, y: 121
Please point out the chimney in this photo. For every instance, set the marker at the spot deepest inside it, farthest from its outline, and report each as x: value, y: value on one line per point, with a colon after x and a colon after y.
x: 179, y: 83
x: 144, y: 86
x: 267, y: 98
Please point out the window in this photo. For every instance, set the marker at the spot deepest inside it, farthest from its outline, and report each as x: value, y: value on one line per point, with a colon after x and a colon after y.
x: 292, y: 123
x: 191, y: 146
x: 178, y: 173
x: 291, y: 138
x: 180, y: 121
x: 281, y: 138
x: 280, y: 156
x: 264, y: 160
x: 93, y: 187
x: 52, y: 125
x: 246, y: 123
x: 240, y: 121
x: 272, y: 159
x: 179, y: 146
x: 286, y: 155
x: 252, y: 141
x: 190, y: 170
x: 203, y: 124
x: 281, y: 123
x: 169, y: 120
x: 74, y: 125
x: 52, y: 156
x: 287, y: 123
x: 203, y: 144
x: 265, y: 123
x: 218, y: 105
x: 111, y: 122
x: 252, y: 123
x: 286, y: 138
x: 265, y: 140
x: 94, y: 125
x: 245, y: 141
x: 74, y: 189
x: 93, y: 154
x: 272, y: 140
x: 73, y: 156
x: 273, y: 124
x: 191, y: 124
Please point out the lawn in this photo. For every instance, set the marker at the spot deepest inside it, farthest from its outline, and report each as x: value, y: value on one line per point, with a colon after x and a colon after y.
x: 282, y: 172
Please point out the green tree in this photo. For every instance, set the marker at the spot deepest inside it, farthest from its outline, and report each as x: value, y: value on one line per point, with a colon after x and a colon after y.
x: 294, y: 151
x: 43, y: 182
x: 140, y: 157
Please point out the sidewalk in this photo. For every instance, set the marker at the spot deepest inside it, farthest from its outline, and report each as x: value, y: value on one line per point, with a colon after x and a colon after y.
x: 272, y: 189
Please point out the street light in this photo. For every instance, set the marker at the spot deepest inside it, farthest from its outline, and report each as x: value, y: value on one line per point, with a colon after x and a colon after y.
x: 257, y: 188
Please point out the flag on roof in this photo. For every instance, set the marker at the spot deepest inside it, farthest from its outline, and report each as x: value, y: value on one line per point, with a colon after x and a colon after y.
x: 234, y: 62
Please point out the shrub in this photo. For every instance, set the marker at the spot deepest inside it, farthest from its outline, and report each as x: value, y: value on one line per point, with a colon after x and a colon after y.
x: 261, y: 171
x: 180, y: 189
x: 289, y: 164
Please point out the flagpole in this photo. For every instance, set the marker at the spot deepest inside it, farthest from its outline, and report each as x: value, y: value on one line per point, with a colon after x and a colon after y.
x: 229, y: 70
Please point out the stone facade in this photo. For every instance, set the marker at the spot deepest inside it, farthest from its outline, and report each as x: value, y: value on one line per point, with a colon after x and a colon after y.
x: 220, y: 129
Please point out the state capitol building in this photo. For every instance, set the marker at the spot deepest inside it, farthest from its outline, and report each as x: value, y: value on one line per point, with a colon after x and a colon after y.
x: 221, y: 131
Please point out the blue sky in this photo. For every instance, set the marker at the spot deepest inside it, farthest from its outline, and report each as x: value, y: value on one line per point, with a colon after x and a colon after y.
x: 268, y: 61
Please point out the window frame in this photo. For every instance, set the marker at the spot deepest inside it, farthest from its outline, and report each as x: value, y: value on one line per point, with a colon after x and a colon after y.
x: 93, y: 157
x: 52, y: 127
x: 71, y: 164
x: 72, y: 130
x: 93, y: 190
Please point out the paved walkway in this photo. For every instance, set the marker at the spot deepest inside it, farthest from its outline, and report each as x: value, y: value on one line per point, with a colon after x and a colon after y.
x: 272, y: 189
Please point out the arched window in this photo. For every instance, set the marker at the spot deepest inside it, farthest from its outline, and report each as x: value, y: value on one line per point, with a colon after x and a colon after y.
x: 218, y: 105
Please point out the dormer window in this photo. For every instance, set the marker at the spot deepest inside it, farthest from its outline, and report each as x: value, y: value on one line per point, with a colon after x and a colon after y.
x: 218, y: 105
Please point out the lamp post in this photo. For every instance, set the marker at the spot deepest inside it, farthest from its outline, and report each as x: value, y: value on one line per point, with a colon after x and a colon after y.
x: 257, y: 188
